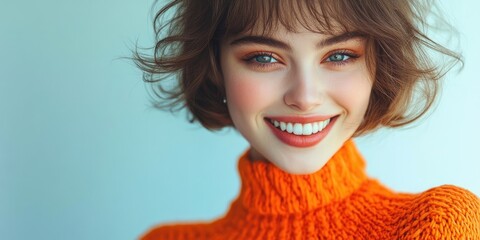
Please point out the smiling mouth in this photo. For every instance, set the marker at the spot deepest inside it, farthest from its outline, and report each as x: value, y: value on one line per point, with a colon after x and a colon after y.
x: 301, y: 129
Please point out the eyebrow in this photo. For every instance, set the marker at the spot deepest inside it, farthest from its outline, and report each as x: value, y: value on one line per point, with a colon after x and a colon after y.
x: 253, y: 39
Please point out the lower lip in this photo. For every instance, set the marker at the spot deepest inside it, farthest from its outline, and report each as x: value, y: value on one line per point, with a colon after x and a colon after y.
x: 301, y: 141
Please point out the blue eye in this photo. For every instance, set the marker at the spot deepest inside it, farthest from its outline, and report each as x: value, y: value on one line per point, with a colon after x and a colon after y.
x: 264, y: 59
x: 338, y: 57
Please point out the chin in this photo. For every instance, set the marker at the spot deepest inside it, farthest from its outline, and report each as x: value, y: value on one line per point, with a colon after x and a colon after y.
x: 301, y: 161
x: 303, y: 169
x: 298, y: 164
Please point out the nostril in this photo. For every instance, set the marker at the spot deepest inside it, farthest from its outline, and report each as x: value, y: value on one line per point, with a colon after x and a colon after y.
x: 303, y: 101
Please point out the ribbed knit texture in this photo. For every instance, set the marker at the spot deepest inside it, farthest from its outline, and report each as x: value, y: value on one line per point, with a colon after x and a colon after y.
x: 337, y: 202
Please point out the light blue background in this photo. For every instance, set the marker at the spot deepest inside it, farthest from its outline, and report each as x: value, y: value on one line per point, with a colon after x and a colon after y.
x: 82, y: 156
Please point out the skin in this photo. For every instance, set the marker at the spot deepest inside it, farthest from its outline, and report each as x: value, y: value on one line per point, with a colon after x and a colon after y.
x: 298, y: 77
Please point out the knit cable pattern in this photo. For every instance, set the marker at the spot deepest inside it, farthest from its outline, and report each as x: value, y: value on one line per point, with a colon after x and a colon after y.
x: 337, y: 202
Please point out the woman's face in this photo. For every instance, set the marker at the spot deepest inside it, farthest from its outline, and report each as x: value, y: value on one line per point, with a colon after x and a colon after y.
x: 296, y: 97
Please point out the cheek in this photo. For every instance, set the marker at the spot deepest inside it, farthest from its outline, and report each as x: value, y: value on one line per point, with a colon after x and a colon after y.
x: 352, y: 91
x: 243, y: 93
x: 248, y: 94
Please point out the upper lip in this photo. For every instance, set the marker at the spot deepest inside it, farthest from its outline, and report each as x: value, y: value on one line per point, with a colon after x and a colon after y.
x: 301, y: 119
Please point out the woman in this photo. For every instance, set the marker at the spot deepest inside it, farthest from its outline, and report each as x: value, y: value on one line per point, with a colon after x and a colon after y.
x: 299, y: 79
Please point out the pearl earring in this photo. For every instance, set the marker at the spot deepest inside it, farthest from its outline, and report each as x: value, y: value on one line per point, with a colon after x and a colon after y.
x: 224, y: 100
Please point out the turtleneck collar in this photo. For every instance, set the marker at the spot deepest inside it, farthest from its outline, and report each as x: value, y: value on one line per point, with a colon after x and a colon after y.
x: 266, y: 189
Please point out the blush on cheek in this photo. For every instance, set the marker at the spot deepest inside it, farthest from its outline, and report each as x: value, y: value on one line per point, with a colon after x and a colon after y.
x: 242, y: 94
x: 248, y: 95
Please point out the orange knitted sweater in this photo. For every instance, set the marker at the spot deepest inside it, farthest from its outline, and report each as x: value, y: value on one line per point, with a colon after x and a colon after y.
x: 337, y: 202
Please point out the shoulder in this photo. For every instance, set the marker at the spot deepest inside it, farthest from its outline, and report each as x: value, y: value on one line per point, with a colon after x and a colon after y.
x: 183, y: 231
x: 446, y: 211
x: 158, y: 232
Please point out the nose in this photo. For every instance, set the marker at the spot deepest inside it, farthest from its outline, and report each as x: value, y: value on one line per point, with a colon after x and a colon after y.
x: 305, y: 90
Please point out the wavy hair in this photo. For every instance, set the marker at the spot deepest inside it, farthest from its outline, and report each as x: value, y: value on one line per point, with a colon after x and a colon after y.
x: 184, y: 68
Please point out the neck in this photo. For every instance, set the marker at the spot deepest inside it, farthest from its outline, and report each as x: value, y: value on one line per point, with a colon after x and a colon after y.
x: 267, y: 189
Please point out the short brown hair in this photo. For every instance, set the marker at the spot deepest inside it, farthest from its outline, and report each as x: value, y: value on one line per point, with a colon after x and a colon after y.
x: 397, y: 52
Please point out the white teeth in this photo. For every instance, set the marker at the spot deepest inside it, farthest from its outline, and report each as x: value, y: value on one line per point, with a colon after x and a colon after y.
x: 315, y: 127
x: 307, y: 129
x: 301, y: 129
x: 276, y: 123
x: 297, y: 129
x: 321, y: 125
x: 289, y: 128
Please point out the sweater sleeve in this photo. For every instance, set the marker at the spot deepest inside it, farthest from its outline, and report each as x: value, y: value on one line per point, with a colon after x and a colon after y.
x: 447, y: 212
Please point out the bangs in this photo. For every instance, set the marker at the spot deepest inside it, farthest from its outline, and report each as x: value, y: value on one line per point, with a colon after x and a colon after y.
x: 385, y: 20
x: 264, y: 17
x: 398, y: 53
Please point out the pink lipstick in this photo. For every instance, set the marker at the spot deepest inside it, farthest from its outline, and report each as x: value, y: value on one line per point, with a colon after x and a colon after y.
x: 300, y: 131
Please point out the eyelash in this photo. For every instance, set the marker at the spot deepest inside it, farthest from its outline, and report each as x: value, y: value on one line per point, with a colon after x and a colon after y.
x: 250, y: 59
